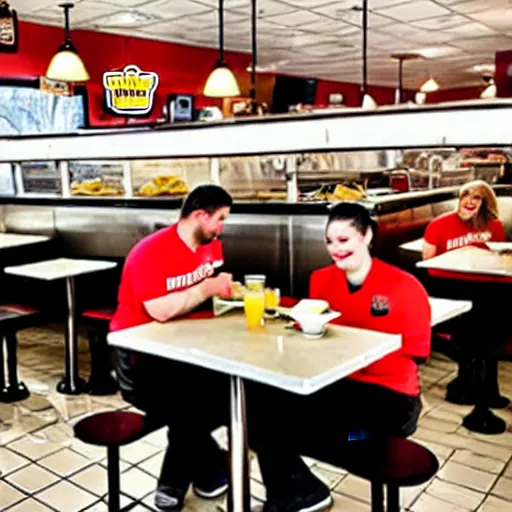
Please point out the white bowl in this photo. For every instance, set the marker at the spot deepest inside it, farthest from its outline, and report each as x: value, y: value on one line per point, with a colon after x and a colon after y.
x: 313, y: 323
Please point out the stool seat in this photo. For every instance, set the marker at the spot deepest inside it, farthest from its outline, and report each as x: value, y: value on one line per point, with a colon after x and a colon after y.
x: 115, y: 428
x: 395, y: 461
x: 105, y: 314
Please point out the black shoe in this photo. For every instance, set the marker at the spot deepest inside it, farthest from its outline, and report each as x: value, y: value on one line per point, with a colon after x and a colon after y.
x: 168, y: 497
x: 212, y: 481
x: 314, y: 499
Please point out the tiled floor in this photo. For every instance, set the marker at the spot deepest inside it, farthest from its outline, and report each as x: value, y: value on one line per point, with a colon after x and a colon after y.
x: 43, y: 468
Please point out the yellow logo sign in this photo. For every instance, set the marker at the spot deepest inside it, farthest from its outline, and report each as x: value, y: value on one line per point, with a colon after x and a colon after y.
x: 130, y: 91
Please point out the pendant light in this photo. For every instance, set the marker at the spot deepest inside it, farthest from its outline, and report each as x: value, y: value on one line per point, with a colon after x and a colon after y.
x: 490, y: 91
x: 254, y: 56
x: 368, y: 102
x: 66, y: 65
x: 222, y: 82
x: 401, y: 57
x: 429, y: 86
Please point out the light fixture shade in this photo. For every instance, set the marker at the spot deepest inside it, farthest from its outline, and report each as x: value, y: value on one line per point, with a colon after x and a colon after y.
x: 368, y: 102
x: 67, y: 66
x: 430, y: 86
x: 489, y: 92
x: 420, y: 98
x: 221, y: 83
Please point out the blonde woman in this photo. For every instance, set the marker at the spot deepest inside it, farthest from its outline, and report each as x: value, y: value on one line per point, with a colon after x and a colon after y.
x: 475, y: 222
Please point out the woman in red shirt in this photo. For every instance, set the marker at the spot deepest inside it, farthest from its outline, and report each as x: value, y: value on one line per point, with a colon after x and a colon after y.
x: 382, y: 398
x: 475, y: 222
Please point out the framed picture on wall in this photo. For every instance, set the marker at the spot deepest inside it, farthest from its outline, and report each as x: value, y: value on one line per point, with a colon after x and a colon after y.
x: 8, y: 28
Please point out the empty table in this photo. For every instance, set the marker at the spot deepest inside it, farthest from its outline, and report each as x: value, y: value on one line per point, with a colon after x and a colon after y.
x: 8, y: 240
x: 68, y: 269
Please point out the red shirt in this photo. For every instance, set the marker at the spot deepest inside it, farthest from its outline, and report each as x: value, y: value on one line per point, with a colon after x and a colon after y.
x: 404, y: 309
x: 160, y: 264
x: 449, y: 231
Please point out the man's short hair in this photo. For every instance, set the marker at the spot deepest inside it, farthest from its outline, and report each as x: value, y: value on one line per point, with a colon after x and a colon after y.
x: 205, y: 197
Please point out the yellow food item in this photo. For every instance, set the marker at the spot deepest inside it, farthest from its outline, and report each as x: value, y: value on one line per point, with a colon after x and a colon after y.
x: 164, y: 185
x: 94, y: 187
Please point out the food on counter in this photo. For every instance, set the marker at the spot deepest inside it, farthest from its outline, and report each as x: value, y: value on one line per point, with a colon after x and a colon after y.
x: 95, y: 187
x: 340, y: 192
x: 164, y: 186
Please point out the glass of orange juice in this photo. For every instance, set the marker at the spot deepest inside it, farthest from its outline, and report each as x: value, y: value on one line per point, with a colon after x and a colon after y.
x: 254, y: 300
x: 272, y: 299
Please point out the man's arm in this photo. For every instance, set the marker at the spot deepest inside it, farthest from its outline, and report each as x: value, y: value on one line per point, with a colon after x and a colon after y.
x: 179, y: 303
x: 429, y: 250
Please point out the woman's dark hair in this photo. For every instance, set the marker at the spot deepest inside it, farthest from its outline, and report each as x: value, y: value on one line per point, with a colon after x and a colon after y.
x: 358, y: 215
x: 205, y: 197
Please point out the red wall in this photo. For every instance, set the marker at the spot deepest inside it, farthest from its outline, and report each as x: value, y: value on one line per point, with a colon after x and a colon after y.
x: 463, y: 93
x: 181, y: 69
x: 503, y: 81
x: 352, y: 93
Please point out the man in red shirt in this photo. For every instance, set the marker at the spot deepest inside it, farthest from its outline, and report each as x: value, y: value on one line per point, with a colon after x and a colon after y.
x: 167, y: 275
x: 383, y: 398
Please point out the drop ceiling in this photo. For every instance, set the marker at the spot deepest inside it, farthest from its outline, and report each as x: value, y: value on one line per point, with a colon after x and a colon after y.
x: 316, y: 38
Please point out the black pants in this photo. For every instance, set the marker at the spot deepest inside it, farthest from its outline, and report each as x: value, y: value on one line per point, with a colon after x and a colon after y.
x: 192, y: 401
x: 283, y: 425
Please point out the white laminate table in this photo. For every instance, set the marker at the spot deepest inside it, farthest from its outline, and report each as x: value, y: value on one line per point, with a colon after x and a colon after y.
x: 417, y: 245
x: 274, y: 355
x: 68, y: 269
x: 8, y: 240
x: 471, y: 260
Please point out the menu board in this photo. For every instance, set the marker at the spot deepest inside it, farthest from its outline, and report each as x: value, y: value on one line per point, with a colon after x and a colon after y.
x: 41, y: 177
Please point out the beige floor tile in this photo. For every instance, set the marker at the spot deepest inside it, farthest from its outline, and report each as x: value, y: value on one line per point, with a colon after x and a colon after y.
x: 440, y: 413
x: 503, y: 489
x: 137, y: 452
x: 65, y: 463
x: 10, y: 461
x: 9, y: 495
x: 508, y: 470
x: 66, y: 497
x: 136, y: 483
x: 30, y: 505
x: 427, y: 503
x: 255, y: 470
x: 7, y: 413
x: 34, y: 449
x: 439, y: 425
x: 354, y: 487
x: 330, y: 467
x: 440, y: 451
x: 158, y: 438
x: 408, y: 495
x: 501, y: 440
x: 36, y: 403
x: 468, y: 477
x: 93, y: 479
x: 494, y: 504
x: 346, y: 504
x: 478, y: 461
x: 452, y: 493
x: 463, y: 442
x: 92, y: 452
x: 58, y: 433
x: 153, y: 465
x: 329, y: 478
x: 258, y: 490
x: 32, y: 479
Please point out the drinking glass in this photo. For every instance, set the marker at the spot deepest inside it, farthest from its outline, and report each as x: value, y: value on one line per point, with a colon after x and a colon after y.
x: 254, y: 300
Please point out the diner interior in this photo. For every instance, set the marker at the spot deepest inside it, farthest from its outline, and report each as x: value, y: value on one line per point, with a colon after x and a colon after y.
x: 392, y: 104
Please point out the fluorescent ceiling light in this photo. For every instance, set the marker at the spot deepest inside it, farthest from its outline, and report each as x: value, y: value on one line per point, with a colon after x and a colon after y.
x: 484, y: 68
x: 127, y: 18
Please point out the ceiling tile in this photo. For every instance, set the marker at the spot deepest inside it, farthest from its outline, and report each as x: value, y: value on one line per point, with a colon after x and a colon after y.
x: 472, y: 6
x: 174, y: 8
x: 412, y: 11
x: 493, y: 19
x: 441, y: 22
x: 228, y: 4
x: 353, y: 17
x: 81, y: 13
x: 295, y: 18
x: 472, y: 29
x: 482, y: 43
